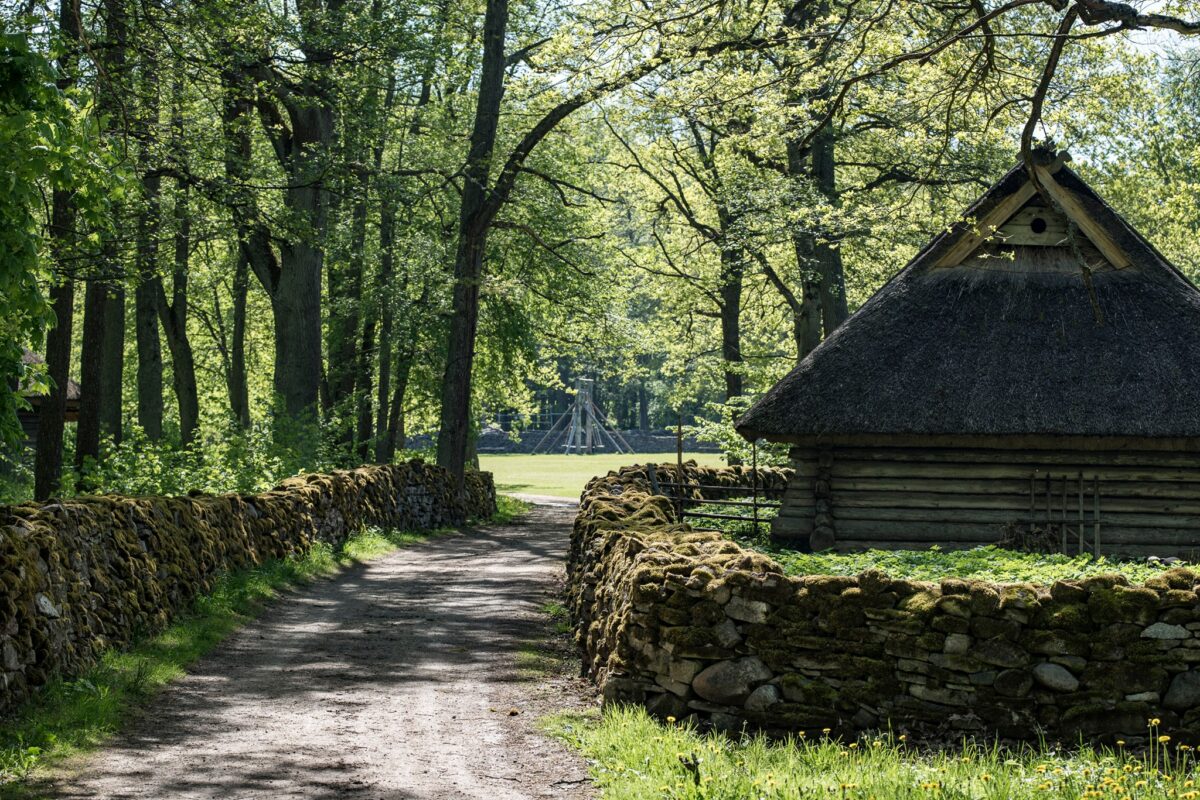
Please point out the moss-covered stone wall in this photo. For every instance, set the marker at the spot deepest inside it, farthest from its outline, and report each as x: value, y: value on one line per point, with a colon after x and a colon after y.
x: 83, y: 575
x: 691, y: 624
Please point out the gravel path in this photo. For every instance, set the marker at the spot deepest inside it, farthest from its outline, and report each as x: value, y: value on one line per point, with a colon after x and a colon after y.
x: 401, y: 678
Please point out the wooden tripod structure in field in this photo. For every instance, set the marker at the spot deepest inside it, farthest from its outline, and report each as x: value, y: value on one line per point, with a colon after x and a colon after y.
x: 583, y: 428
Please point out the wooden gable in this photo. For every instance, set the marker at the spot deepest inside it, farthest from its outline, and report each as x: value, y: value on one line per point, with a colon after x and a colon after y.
x: 1029, y: 218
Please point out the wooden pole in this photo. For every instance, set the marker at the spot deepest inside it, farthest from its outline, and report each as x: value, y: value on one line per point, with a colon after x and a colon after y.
x: 1096, y: 514
x: 1082, y: 532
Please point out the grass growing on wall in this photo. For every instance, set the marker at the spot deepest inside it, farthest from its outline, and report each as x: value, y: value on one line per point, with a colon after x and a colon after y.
x: 634, y: 757
x: 67, y: 717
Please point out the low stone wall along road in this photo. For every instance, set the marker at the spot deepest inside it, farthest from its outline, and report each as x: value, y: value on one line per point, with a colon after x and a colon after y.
x: 395, y: 680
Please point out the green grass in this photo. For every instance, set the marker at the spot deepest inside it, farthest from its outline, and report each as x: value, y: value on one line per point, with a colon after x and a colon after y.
x: 566, y: 475
x: 988, y: 563
x: 633, y: 757
x: 70, y: 717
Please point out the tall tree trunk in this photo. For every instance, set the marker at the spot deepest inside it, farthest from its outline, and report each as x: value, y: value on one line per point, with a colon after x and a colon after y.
x: 239, y: 389
x: 174, y: 317
x: 396, y: 438
x: 111, y: 93
x: 455, y: 430
x: 91, y: 374
x: 149, y: 348
x: 296, y: 300
x: 48, y: 464
x: 828, y: 257
x: 384, y: 450
x: 643, y: 406
x: 113, y: 348
x: 254, y: 245
x: 362, y: 391
x: 807, y: 321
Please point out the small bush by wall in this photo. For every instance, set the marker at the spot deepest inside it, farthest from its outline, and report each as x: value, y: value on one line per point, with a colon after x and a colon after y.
x: 691, y: 624
x: 91, y: 573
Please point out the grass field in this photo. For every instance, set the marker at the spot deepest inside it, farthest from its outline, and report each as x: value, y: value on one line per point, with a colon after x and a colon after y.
x: 564, y: 475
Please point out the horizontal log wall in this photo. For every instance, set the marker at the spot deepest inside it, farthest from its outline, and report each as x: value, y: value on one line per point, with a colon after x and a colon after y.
x: 899, y: 498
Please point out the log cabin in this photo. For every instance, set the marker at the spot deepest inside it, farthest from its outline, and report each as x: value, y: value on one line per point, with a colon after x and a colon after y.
x: 1033, y: 372
x: 28, y: 417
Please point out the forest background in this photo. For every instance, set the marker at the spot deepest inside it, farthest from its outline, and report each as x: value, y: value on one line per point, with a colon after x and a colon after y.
x: 253, y: 238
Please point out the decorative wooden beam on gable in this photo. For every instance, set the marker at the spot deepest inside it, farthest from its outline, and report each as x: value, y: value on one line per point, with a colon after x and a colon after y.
x: 1017, y: 222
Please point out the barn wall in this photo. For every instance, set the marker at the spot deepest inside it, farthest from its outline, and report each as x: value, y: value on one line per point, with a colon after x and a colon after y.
x: 893, y: 498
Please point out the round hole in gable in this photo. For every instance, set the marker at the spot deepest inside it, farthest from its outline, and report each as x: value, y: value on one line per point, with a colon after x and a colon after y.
x: 1038, y: 225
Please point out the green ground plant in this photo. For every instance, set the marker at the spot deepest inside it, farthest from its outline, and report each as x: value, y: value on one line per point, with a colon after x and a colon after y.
x: 987, y: 563
x: 635, y: 757
x: 69, y: 717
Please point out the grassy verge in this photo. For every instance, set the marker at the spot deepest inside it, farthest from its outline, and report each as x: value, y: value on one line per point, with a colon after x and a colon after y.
x: 634, y: 756
x: 69, y: 717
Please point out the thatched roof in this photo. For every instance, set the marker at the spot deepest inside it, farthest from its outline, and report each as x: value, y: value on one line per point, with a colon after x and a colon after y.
x: 1009, y: 341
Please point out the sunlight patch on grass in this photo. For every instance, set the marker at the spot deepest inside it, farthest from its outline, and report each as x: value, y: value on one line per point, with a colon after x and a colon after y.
x: 634, y: 757
x: 561, y: 475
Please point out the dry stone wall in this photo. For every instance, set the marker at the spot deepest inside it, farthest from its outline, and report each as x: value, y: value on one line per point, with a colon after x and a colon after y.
x: 83, y: 575
x: 691, y: 624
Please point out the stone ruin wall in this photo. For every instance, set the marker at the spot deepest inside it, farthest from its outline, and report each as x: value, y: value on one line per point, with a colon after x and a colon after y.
x: 691, y: 624
x: 84, y: 575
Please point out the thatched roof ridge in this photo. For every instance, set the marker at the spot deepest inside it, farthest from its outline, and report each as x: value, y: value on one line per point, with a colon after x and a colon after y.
x: 977, y: 351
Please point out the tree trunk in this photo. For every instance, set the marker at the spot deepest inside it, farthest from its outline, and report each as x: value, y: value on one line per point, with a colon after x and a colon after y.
x: 807, y: 322
x: 254, y: 245
x: 112, y: 383
x: 643, y: 407
x: 828, y: 257
x: 91, y: 395
x: 48, y: 463
x: 174, y: 317
x: 384, y: 449
x: 362, y: 390
x: 395, y: 432
x: 145, y: 296
x: 239, y: 390
x: 296, y: 301
x: 454, y: 432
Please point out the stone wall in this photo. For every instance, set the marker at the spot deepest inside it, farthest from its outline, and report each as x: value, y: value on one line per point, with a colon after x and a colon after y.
x: 692, y: 624
x: 84, y: 575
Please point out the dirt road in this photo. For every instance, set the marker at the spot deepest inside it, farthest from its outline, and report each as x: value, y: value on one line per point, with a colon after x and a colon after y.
x: 395, y: 680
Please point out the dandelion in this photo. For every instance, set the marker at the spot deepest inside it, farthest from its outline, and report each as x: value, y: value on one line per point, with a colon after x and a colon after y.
x: 1164, y: 739
x: 670, y: 720
x: 1154, y: 722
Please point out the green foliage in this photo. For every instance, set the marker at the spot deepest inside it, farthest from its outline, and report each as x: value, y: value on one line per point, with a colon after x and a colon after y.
x: 719, y: 430
x: 224, y: 460
x: 633, y: 757
x: 43, y: 145
x: 988, y: 563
